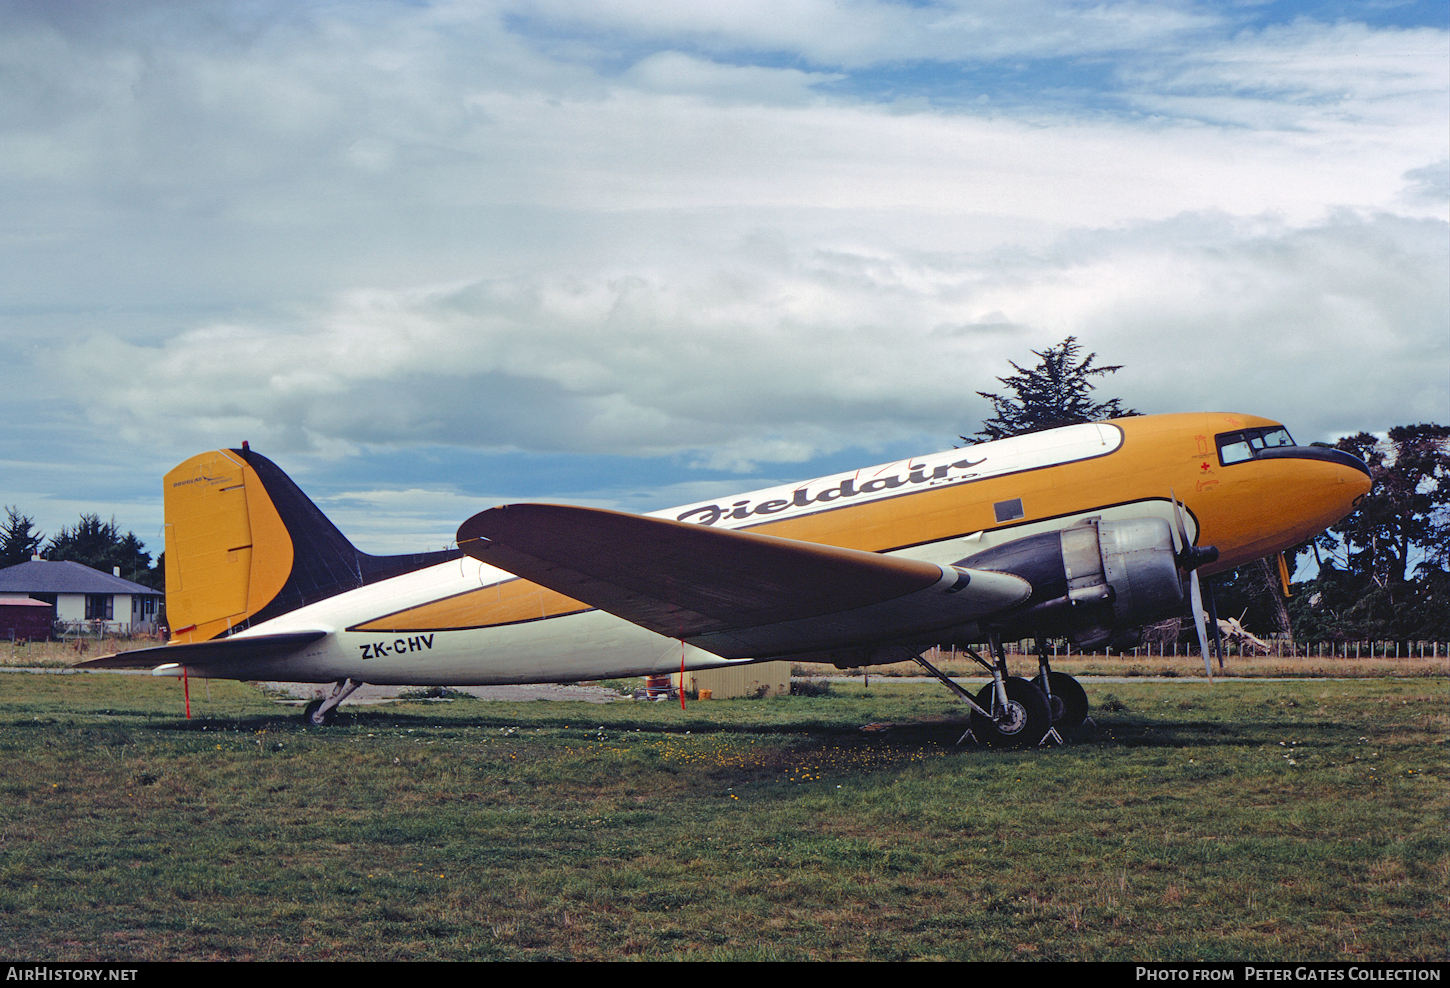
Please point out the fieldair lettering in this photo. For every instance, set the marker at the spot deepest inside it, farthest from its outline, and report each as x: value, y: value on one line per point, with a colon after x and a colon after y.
x: 802, y: 497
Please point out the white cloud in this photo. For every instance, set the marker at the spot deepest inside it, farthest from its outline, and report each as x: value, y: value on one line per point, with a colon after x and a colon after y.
x: 1429, y: 187
x: 740, y: 234
x: 674, y: 72
x: 857, y: 33
x: 1331, y: 79
x: 816, y: 350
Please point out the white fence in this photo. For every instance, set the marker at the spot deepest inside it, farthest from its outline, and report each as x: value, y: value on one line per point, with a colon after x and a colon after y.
x: 68, y: 630
x: 1280, y: 648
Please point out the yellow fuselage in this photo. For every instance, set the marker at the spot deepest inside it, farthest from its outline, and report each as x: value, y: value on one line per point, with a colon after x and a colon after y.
x: 1246, y: 510
x: 239, y: 543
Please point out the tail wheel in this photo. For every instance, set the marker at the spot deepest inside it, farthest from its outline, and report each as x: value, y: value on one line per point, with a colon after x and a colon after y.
x: 1023, y: 723
x: 1069, y: 702
x: 314, y: 716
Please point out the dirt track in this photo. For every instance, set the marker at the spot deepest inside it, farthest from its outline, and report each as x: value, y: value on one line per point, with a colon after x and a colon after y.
x: 381, y: 694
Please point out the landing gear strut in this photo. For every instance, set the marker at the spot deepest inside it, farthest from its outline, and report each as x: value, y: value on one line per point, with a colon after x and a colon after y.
x: 1066, y: 699
x: 1012, y: 712
x: 1021, y: 721
x: 322, y: 712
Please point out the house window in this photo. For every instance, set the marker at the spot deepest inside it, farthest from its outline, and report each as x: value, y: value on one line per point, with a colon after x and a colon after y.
x: 100, y: 607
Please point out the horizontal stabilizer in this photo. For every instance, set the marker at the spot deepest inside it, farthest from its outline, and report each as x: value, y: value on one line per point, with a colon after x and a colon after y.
x: 199, y: 655
x: 737, y: 594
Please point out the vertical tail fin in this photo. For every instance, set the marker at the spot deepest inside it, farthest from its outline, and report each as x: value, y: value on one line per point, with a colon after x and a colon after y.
x: 244, y: 545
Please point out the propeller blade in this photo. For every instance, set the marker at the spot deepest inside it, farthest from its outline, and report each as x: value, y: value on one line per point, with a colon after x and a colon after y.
x: 1213, y: 616
x: 1180, y: 531
x: 1195, y: 594
x: 1188, y: 555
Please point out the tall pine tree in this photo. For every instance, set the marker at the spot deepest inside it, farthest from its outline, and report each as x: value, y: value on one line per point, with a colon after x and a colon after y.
x: 1057, y: 392
x: 101, y: 546
x: 18, y: 540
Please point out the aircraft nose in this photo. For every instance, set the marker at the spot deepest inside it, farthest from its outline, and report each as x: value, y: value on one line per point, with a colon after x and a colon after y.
x: 1353, y: 462
x: 1352, y: 474
x: 1352, y: 481
x: 1338, y: 489
x: 1358, y: 478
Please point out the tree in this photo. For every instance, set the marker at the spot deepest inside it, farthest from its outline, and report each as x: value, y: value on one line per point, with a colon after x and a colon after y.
x: 17, y: 540
x: 1402, y: 518
x: 101, y: 546
x: 1385, y: 570
x: 1054, y: 393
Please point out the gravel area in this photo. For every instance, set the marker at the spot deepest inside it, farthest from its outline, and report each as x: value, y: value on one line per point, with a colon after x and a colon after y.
x: 305, y: 692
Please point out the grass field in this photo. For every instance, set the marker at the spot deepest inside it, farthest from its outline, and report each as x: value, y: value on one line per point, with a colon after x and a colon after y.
x: 60, y: 655
x: 1269, y: 821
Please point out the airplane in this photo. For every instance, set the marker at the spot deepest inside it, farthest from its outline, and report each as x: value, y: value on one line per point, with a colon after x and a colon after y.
x: 1087, y: 532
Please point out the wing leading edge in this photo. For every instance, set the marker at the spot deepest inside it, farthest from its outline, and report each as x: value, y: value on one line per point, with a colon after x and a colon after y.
x: 736, y: 594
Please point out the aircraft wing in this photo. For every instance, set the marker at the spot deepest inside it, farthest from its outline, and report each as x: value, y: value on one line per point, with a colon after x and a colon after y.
x: 736, y: 594
x: 209, y: 654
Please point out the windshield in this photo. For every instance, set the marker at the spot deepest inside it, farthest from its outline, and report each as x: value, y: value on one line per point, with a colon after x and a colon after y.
x: 1235, y: 447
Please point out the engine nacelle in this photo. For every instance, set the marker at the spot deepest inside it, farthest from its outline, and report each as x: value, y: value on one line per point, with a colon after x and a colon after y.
x: 1093, y: 581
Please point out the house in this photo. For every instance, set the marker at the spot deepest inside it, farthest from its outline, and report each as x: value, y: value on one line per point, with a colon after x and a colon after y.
x: 83, y: 599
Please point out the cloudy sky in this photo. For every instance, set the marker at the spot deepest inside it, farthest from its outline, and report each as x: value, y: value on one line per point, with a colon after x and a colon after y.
x: 431, y: 256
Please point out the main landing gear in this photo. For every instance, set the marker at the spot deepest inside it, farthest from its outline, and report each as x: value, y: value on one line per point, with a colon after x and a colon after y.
x: 1012, y: 712
x: 321, y: 712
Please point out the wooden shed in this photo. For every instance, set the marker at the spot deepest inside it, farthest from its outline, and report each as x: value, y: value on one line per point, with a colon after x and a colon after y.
x: 23, y: 619
x: 755, y: 679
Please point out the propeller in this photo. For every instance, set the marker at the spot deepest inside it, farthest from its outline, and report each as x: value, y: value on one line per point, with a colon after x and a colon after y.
x: 1195, y: 597
x: 1213, y: 621
x: 1190, y: 557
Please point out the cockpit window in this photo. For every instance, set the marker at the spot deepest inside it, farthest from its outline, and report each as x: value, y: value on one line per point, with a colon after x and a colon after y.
x: 1236, y: 447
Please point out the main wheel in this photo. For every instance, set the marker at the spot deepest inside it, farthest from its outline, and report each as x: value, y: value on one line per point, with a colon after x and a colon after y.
x: 313, y: 717
x: 1068, y: 703
x: 1022, y: 725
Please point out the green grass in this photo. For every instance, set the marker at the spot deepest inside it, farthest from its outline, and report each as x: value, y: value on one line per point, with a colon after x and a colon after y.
x: 1283, y: 821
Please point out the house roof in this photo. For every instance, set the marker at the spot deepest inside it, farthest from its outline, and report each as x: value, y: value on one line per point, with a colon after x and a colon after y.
x: 64, y: 577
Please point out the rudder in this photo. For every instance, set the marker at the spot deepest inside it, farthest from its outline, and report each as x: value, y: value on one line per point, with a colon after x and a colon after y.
x: 245, y: 544
x: 228, y: 551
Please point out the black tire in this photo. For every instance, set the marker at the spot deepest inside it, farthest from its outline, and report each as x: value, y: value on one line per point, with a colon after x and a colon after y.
x: 311, y: 718
x: 1027, y: 717
x: 1069, y: 702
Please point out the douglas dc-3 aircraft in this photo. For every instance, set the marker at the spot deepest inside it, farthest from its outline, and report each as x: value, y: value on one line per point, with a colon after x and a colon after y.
x: 1089, y: 531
